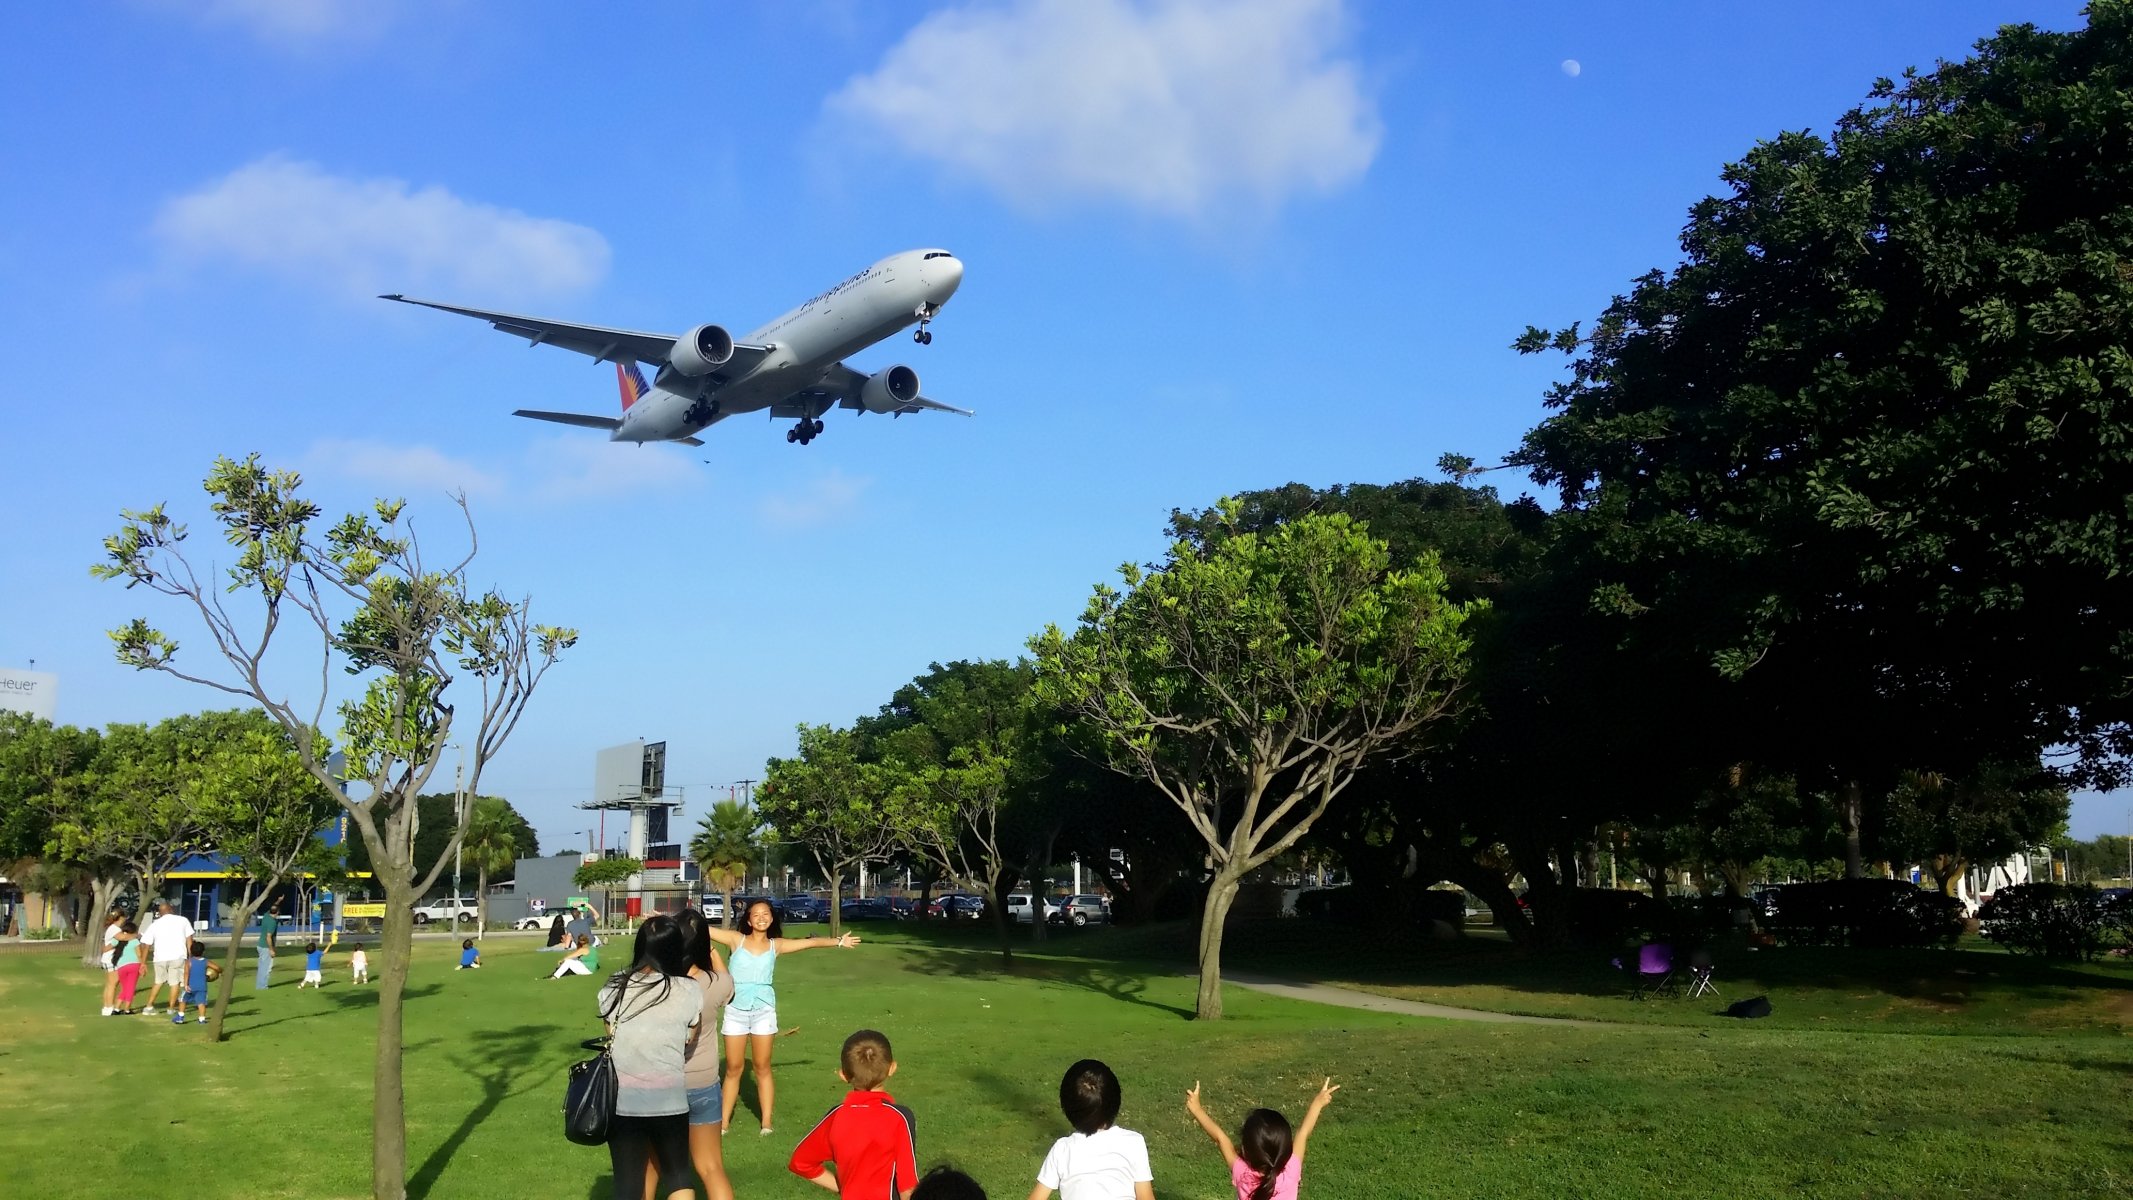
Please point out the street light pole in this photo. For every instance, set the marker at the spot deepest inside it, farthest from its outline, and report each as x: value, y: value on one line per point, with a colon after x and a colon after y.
x: 459, y: 819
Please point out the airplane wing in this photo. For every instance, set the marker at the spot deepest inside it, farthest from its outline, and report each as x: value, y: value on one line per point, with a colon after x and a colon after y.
x: 846, y: 382
x: 598, y: 341
x: 562, y: 418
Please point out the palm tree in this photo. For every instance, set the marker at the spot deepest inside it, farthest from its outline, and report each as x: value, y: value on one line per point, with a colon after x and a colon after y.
x: 488, y: 846
x: 724, y: 845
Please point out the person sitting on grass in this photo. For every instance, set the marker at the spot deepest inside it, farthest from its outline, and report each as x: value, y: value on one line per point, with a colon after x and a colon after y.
x: 947, y: 1183
x: 1266, y: 1163
x: 1099, y: 1160
x: 869, y: 1136
x: 314, y: 966
x: 583, y: 959
x: 469, y: 957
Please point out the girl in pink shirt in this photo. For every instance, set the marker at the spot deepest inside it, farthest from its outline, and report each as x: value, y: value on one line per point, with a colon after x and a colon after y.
x: 1267, y: 1161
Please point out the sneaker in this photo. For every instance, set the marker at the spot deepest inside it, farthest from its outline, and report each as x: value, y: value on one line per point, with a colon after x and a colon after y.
x: 178, y: 1020
x: 766, y: 1131
x: 109, y: 1011
x: 203, y: 1020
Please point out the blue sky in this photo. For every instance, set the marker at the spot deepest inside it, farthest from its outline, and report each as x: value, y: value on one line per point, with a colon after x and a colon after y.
x: 1211, y: 245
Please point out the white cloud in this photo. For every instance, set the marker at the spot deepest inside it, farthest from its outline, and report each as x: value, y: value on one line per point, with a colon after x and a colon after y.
x: 1181, y: 107
x: 295, y: 24
x: 399, y: 468
x: 551, y: 470
x: 817, y: 502
x: 359, y: 236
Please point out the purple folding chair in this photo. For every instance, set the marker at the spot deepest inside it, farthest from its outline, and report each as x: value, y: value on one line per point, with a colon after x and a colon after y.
x: 1655, y: 971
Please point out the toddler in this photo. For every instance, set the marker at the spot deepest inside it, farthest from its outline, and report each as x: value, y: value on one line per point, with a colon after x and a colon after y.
x: 1098, y: 1161
x: 314, y: 964
x: 1267, y: 1162
x: 469, y: 957
x: 359, y: 966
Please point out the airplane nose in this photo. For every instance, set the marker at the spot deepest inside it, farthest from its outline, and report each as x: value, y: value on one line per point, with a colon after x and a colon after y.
x: 947, y: 276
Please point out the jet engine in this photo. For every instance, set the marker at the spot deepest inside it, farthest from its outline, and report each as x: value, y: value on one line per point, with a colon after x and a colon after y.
x: 889, y: 390
x: 701, y: 351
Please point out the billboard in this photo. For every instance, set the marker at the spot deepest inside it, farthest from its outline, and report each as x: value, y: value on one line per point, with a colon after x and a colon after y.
x: 32, y: 692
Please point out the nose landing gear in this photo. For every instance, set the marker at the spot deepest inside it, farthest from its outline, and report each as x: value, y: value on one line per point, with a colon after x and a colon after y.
x: 924, y: 337
x: 806, y: 431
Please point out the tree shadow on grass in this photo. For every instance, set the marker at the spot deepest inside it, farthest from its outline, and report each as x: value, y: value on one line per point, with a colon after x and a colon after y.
x: 499, y: 1059
x: 1119, y: 981
x: 751, y: 1098
x: 341, y: 1002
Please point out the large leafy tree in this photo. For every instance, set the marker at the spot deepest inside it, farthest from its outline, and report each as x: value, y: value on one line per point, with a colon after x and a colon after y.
x: 47, y: 774
x: 1945, y: 824
x: 727, y: 839
x: 1250, y: 682
x: 1864, y: 454
x: 491, y: 847
x: 842, y: 810
x: 404, y: 629
x: 260, y: 811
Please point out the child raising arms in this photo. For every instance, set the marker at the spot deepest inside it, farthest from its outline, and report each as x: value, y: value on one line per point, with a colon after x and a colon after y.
x: 1266, y: 1163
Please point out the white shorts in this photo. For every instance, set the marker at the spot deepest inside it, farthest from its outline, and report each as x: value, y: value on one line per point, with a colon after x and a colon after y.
x: 313, y: 977
x: 110, y: 959
x: 757, y: 1022
x: 170, y: 971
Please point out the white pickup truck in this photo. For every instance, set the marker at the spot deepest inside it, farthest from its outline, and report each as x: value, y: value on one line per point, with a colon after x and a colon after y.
x: 441, y: 910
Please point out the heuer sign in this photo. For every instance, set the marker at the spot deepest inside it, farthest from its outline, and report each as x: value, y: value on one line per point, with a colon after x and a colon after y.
x: 32, y: 692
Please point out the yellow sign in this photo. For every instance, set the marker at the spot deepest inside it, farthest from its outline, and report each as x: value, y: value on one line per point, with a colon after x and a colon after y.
x: 362, y: 910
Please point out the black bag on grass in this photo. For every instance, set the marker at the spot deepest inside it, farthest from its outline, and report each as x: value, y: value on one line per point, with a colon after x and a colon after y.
x: 1753, y: 1006
x: 589, y: 1099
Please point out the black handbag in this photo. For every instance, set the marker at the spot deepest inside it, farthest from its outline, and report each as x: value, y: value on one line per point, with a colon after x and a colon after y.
x: 589, y: 1099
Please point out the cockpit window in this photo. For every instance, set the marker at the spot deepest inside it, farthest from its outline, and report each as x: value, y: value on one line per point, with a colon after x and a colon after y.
x: 938, y: 254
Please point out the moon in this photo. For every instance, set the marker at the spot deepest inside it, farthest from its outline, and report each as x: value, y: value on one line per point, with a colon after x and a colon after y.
x: 1572, y: 67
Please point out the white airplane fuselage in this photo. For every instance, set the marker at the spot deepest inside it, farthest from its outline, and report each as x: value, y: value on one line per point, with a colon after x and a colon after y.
x: 886, y: 298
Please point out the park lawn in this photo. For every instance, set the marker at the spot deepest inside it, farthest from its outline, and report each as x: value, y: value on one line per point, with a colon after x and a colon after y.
x: 1976, y: 988
x: 131, y: 1106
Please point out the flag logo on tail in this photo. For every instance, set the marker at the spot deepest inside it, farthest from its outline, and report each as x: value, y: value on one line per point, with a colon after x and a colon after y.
x: 631, y: 381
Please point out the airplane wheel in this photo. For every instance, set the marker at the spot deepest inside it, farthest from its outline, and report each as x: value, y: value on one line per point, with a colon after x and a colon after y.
x: 792, y: 435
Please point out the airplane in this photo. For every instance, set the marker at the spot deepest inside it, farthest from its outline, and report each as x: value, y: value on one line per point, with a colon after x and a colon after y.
x: 792, y: 367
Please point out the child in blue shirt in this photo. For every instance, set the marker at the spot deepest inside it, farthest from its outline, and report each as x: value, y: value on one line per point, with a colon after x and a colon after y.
x: 469, y: 957
x: 314, y: 965
x: 197, y: 973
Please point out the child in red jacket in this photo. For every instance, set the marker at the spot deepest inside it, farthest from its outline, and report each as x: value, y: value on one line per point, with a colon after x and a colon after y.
x: 871, y: 1138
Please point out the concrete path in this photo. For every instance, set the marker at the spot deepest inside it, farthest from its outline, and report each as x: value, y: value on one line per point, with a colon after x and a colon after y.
x: 1320, y: 993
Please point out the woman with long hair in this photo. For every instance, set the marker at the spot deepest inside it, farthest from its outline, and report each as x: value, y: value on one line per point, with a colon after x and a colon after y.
x: 701, y: 1074
x: 752, y: 1018
x: 559, y: 939
x: 651, y: 1009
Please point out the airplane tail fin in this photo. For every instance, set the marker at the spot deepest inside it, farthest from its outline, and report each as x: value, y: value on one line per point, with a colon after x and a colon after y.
x: 631, y: 380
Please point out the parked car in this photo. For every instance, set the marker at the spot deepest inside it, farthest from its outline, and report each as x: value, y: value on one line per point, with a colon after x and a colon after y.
x: 902, y: 907
x: 958, y: 904
x: 441, y: 910
x: 536, y: 921
x: 873, y: 908
x: 1018, y: 907
x: 1080, y: 910
x: 802, y: 908
x: 714, y: 908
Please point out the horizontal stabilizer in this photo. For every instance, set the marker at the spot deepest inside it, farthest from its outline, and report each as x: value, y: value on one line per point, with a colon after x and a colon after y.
x: 585, y: 419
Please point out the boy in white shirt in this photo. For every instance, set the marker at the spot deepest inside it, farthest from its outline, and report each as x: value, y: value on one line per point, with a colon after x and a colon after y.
x: 171, y: 937
x: 1098, y: 1161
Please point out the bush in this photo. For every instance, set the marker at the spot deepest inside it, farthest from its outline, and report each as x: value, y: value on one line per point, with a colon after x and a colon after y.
x: 50, y: 933
x: 1865, y: 913
x: 2052, y: 920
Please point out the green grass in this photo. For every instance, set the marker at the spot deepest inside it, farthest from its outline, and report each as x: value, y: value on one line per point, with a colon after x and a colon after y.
x: 1863, y: 1106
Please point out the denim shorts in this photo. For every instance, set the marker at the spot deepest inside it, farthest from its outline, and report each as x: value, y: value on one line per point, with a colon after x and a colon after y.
x: 705, y: 1103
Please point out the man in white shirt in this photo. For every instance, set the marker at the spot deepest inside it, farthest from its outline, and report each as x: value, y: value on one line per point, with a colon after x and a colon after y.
x: 171, y: 937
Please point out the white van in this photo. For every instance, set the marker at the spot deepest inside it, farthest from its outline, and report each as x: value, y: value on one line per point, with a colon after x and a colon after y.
x: 1018, y: 907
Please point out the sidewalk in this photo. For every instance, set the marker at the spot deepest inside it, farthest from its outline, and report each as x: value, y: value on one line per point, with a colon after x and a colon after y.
x: 1321, y: 993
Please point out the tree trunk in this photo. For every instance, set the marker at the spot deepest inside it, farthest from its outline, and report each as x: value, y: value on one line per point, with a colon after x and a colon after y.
x: 1221, y: 892
x: 240, y: 917
x: 836, y: 903
x: 388, y: 1100
x: 1851, y: 806
x: 996, y: 902
x: 481, y: 901
x: 725, y: 895
x: 104, y: 893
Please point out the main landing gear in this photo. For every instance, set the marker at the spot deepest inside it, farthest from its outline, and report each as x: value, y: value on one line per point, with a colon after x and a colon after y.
x: 806, y: 431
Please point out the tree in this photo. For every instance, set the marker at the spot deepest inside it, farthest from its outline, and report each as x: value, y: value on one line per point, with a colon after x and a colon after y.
x: 261, y: 811
x: 1945, y: 824
x: 842, y: 811
x: 1861, y: 455
x: 605, y: 873
x: 47, y: 771
x: 403, y: 629
x: 490, y: 847
x: 437, y: 821
x: 1250, y: 682
x: 726, y: 842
